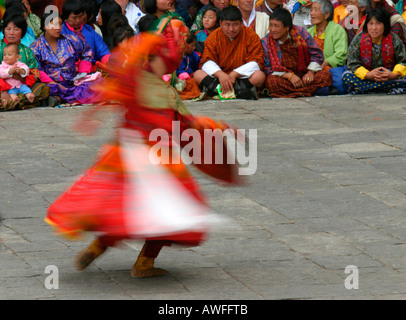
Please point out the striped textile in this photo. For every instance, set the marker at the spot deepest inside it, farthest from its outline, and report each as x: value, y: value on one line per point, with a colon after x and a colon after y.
x: 229, y: 55
x: 41, y: 92
x: 279, y: 87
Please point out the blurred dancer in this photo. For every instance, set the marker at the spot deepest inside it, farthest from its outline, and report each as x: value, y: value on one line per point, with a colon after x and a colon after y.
x: 124, y: 195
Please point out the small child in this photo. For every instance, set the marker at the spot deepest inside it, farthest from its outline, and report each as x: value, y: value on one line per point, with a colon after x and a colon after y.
x: 211, y: 21
x: 191, y: 60
x: 10, y: 66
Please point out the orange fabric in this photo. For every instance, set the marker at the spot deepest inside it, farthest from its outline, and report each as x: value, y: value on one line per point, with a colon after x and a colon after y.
x: 229, y: 55
x: 191, y: 90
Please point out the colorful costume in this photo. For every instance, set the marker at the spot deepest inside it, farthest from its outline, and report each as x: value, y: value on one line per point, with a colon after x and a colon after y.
x: 364, y: 55
x: 99, y: 48
x: 298, y: 54
x: 125, y: 196
x: 58, y: 70
x: 40, y: 90
x: 398, y: 24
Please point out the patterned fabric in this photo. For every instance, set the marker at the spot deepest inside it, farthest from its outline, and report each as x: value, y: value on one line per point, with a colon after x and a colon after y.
x: 397, y: 26
x: 40, y: 90
x: 354, y: 53
x: 288, y: 56
x: 279, y: 87
x: 246, y: 47
x: 34, y: 22
x: 387, y: 51
x: 60, y: 67
x: 307, y: 49
x: 320, y: 40
x: 357, y: 85
x: 62, y: 64
x: 198, y: 23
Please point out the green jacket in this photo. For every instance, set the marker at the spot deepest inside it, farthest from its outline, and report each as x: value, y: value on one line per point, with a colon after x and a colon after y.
x: 335, y: 44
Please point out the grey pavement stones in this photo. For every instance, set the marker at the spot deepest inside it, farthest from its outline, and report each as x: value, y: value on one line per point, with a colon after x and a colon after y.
x: 329, y: 192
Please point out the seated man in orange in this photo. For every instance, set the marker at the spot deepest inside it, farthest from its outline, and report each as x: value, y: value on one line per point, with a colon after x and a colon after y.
x: 232, y: 57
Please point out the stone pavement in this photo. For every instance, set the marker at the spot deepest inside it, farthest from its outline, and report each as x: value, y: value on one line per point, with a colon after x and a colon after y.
x: 329, y: 192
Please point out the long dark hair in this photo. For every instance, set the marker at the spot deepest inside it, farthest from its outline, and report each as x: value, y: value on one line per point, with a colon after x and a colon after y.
x: 107, y: 9
x: 150, y: 6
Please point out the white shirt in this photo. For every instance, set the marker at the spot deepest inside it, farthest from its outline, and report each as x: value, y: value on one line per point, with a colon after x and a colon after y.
x: 133, y: 14
x: 246, y: 70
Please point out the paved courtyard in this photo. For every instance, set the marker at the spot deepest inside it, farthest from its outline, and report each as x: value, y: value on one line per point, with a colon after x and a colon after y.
x: 323, y: 217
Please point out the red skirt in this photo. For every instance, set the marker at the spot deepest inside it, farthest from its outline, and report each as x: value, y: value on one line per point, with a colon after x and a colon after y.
x: 125, y: 195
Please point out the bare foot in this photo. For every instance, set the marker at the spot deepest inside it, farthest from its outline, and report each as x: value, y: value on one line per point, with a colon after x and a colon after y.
x: 30, y: 97
x: 14, y: 97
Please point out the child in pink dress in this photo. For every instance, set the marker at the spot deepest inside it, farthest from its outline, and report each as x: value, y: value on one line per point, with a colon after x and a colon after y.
x: 10, y: 66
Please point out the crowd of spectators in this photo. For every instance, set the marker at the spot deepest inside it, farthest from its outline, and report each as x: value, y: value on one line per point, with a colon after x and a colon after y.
x: 236, y: 49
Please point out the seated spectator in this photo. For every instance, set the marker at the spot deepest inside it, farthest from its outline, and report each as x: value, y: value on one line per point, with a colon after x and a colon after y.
x: 211, y: 21
x: 15, y: 27
x: 131, y: 11
x: 195, y: 8
x: 354, y: 22
x: 16, y: 7
x: 182, y: 13
x: 33, y: 21
x: 292, y: 58
x: 198, y: 23
x: 121, y: 39
x: 57, y: 55
x: 190, y: 61
x: 184, y: 82
x: 376, y: 57
x: 341, y: 11
x: 332, y: 39
x: 107, y: 9
x: 157, y: 8
x: 117, y: 20
x: 90, y: 14
x: 11, y: 66
x: 268, y: 6
x: 72, y: 13
x: 239, y: 67
x: 398, y: 24
x: 146, y: 22
x: 257, y: 21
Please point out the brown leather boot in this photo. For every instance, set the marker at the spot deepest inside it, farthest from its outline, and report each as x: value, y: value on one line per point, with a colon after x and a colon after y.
x: 144, y: 266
